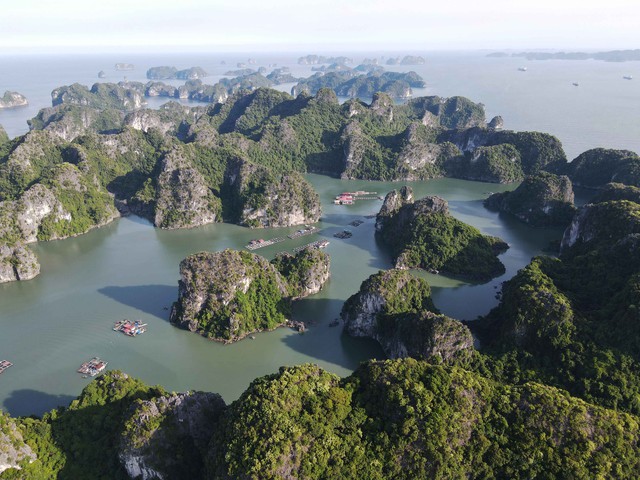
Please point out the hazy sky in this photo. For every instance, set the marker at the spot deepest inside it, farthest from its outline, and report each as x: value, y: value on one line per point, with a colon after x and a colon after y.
x: 327, y: 25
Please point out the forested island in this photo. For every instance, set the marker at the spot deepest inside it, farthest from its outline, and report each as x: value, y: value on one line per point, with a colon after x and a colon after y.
x: 550, y: 389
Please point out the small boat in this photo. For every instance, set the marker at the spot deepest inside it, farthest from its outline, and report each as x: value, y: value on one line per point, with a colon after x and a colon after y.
x: 575, y: 84
x: 334, y: 323
x: 627, y: 77
x: 522, y: 69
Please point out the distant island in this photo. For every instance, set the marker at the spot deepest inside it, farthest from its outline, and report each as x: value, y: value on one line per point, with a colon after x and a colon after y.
x: 348, y: 82
x: 13, y: 100
x: 406, y: 60
x: 124, y: 66
x: 610, y: 56
x: 172, y: 73
x: 319, y: 59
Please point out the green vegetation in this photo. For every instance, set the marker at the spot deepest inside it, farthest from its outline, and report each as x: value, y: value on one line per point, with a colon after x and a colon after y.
x: 82, y: 441
x: 497, y: 164
x: 230, y: 294
x: 599, y: 166
x: 421, y: 235
x: 543, y: 199
x: 537, y: 150
x: 572, y: 322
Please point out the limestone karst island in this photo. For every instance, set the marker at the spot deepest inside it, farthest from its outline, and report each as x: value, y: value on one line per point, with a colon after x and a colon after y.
x: 385, y: 241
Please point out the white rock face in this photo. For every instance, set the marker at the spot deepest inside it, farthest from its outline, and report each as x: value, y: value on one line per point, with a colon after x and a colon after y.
x: 137, y: 468
x: 13, y: 450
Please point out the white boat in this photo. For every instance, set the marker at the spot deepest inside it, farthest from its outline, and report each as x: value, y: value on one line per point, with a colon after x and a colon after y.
x: 628, y: 77
x: 522, y: 69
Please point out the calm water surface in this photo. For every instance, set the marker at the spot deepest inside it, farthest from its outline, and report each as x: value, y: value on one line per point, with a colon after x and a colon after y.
x: 49, y: 325
x: 53, y: 323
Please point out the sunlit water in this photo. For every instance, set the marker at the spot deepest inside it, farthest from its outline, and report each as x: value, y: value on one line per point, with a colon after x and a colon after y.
x: 128, y: 269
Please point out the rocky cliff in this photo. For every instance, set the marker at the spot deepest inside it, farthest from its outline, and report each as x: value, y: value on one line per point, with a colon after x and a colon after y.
x: 14, y: 452
x: 306, y: 272
x: 395, y: 308
x: 167, y: 437
x: 69, y: 121
x: 599, y: 166
x: 422, y: 234
x: 393, y: 202
x: 607, y: 225
x: 257, y: 197
x: 540, y: 200
x: 4, y: 138
x: 231, y: 294
x: 120, y: 96
x: 183, y: 198
x: 13, y: 100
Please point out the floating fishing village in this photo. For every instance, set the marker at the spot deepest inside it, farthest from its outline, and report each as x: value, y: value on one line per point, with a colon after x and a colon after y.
x: 4, y: 364
x: 129, y: 328
x: 93, y: 367
x: 349, y: 198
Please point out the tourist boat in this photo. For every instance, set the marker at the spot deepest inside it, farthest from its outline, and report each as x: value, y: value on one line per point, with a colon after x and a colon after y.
x: 93, y: 367
x: 628, y: 77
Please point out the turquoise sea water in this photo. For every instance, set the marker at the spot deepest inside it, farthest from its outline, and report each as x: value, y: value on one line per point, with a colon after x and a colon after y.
x: 49, y: 325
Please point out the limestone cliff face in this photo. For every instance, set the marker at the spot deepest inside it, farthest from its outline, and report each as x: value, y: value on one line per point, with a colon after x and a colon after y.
x: 354, y: 146
x: 209, y: 284
x: 121, y: 96
x: 230, y: 294
x: 258, y: 198
x: 395, y: 309
x: 32, y: 151
x: 183, y: 198
x: 17, y: 263
x: 393, y: 201
x: 13, y: 450
x: 13, y: 100
x: 306, y: 272
x: 543, y: 199
x: 69, y: 121
x: 605, y: 225
x: 166, y: 435
x: 168, y: 119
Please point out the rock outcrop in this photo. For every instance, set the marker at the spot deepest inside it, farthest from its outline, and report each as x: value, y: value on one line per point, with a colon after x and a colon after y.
x: 120, y: 96
x: 168, y: 437
x: 3, y: 135
x: 69, y: 121
x: 306, y: 272
x: 393, y: 201
x: 599, y: 166
x: 422, y: 234
x: 13, y: 100
x: 230, y: 294
x: 604, y: 225
x: 540, y: 200
x: 395, y: 308
x: 13, y: 450
x: 258, y: 198
x: 183, y: 198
